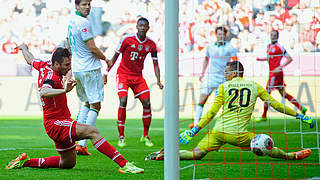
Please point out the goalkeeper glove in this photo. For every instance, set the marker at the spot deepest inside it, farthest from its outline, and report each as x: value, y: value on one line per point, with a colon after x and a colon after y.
x: 187, y: 135
x: 306, y: 119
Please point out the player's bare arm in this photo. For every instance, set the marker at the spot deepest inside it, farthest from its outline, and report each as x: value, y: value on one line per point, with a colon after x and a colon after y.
x: 279, y: 68
x: 95, y: 50
x: 51, y: 92
x: 105, y: 78
x: 156, y: 69
x: 67, y: 76
x: 204, y: 67
x: 67, y: 44
x: 112, y: 60
x: 28, y: 56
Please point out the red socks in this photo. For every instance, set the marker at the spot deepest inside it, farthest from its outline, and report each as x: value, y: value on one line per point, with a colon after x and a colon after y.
x: 121, y: 120
x: 104, y: 147
x: 287, y: 96
x: 265, y: 110
x: 146, y: 118
x: 293, y: 101
x: 49, y: 162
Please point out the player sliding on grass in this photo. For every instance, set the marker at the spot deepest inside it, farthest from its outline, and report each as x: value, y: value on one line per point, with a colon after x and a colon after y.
x: 56, y: 118
x: 275, y: 53
x: 237, y: 96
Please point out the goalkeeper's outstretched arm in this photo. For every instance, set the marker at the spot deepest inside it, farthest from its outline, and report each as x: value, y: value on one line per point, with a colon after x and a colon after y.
x: 265, y: 96
x: 187, y: 135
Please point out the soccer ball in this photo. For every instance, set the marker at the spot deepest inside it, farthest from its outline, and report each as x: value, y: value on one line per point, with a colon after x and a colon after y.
x: 261, y: 144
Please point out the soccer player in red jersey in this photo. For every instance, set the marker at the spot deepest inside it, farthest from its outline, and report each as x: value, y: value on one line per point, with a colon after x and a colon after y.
x: 275, y: 53
x: 134, y: 49
x: 58, y: 124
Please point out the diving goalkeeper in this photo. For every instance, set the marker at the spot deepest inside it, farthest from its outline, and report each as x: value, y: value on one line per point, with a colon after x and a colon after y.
x: 237, y: 97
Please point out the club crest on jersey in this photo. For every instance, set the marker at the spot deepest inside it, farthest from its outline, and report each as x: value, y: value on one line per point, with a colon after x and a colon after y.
x: 84, y: 30
x: 140, y: 47
x: 133, y: 46
x: 147, y: 48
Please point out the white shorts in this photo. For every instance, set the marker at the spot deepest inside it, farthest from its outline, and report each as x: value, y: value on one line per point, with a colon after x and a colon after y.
x: 210, y: 84
x: 90, y: 87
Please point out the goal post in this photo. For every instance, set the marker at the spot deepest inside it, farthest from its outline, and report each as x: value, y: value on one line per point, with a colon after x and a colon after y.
x: 171, y: 98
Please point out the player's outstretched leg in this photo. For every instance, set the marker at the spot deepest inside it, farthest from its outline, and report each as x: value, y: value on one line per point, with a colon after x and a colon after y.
x: 131, y: 168
x: 125, y: 167
x: 279, y: 153
x: 18, y: 162
x: 102, y: 145
x: 302, y: 154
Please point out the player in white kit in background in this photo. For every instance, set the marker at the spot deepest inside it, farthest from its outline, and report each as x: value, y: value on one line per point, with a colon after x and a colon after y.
x: 219, y: 53
x: 86, y: 67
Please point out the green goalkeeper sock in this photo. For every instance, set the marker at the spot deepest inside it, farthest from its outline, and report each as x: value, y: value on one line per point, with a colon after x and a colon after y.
x: 185, y: 155
x: 279, y: 153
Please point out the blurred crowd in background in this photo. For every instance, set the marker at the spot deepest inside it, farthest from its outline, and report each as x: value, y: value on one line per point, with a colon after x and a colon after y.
x: 42, y: 24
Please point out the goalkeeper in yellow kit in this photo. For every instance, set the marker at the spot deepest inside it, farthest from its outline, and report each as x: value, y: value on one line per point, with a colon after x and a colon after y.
x: 237, y: 97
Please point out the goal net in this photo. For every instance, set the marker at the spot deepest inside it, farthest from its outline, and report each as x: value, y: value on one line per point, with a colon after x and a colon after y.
x: 249, y: 25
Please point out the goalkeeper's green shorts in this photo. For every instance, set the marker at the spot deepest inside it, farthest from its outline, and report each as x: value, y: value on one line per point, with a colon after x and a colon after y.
x: 215, y: 139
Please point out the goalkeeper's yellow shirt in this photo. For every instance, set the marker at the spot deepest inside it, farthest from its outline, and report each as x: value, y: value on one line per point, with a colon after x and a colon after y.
x: 237, y: 98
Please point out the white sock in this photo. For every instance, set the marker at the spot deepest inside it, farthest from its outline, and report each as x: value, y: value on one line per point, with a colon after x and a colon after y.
x: 82, y: 115
x: 199, y: 110
x: 91, y: 120
x: 92, y: 117
x: 83, y: 142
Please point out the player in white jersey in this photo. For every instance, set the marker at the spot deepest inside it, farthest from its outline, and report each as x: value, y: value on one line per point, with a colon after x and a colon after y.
x: 219, y: 53
x: 86, y: 67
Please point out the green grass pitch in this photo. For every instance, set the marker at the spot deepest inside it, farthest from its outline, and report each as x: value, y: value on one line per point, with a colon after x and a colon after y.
x: 19, y: 135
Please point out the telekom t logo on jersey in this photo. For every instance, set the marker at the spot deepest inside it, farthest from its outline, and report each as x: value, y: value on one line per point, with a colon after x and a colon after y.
x: 134, y: 55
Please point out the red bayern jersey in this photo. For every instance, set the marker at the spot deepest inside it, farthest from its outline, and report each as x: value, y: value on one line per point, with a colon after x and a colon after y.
x: 134, y: 53
x: 275, y: 54
x: 53, y: 107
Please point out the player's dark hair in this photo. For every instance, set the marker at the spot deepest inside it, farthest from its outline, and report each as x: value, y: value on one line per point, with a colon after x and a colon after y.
x: 276, y: 32
x: 77, y: 2
x: 225, y: 30
x: 143, y: 19
x: 59, y: 54
x: 236, y: 66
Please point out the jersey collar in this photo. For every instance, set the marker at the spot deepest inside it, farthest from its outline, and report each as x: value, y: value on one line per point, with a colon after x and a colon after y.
x: 140, y: 40
x: 236, y: 78
x: 223, y: 43
x: 79, y: 14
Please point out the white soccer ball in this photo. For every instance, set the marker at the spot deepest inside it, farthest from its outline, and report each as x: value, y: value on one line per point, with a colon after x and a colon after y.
x: 261, y: 145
